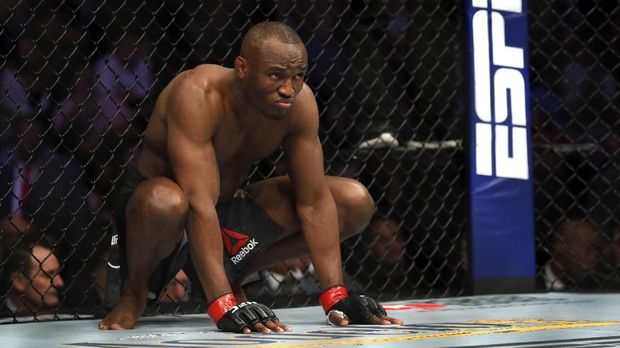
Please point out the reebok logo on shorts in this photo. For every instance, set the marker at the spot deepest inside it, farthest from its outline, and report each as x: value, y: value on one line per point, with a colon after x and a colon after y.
x: 233, y: 240
x: 237, y: 244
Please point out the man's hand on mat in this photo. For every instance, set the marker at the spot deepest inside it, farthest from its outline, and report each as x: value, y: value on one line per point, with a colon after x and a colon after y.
x: 251, y: 316
x: 359, y: 309
x: 243, y: 317
x: 340, y: 319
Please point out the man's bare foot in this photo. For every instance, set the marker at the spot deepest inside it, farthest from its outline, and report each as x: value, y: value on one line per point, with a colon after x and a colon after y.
x: 124, y: 315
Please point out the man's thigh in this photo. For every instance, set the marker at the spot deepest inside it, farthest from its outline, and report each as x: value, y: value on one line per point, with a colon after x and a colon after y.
x: 276, y: 197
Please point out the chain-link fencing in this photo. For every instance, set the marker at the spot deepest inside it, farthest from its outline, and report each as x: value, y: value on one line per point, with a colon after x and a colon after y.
x: 576, y: 131
x: 80, y: 78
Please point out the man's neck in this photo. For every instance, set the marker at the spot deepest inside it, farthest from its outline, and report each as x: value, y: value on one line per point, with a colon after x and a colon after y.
x: 18, y: 304
x: 10, y: 304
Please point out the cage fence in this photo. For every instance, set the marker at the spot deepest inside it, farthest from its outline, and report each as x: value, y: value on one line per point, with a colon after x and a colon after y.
x: 80, y: 78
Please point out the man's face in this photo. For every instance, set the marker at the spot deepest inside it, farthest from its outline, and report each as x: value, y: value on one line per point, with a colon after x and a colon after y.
x: 44, y: 278
x: 275, y: 75
x: 177, y: 289
x: 388, y: 246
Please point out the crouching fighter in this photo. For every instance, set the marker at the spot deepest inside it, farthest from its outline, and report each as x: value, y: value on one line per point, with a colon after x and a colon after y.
x: 187, y: 199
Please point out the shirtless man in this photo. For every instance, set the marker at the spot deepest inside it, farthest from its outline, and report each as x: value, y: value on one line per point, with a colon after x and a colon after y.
x: 210, y: 124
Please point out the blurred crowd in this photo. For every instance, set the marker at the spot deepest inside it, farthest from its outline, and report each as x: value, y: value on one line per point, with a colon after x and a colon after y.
x: 78, y: 81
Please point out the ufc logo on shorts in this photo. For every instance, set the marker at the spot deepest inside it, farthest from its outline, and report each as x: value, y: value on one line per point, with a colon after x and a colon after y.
x: 500, y: 140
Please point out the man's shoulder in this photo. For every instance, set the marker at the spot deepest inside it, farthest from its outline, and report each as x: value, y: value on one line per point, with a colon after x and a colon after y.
x: 206, y: 75
x: 204, y: 80
x: 306, y: 98
x: 306, y: 91
x: 305, y: 109
x: 211, y: 68
x: 196, y: 96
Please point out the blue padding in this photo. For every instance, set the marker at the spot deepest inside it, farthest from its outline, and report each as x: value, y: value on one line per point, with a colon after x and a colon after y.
x: 502, y: 222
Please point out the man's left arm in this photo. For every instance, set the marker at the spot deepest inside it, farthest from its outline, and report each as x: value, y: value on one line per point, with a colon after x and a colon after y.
x: 314, y: 203
x: 318, y: 216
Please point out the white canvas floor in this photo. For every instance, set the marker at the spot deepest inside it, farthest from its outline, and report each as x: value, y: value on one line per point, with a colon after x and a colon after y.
x: 536, y: 320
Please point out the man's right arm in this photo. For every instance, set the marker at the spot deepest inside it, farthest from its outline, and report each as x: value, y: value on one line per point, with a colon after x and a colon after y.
x: 192, y: 158
x: 191, y: 125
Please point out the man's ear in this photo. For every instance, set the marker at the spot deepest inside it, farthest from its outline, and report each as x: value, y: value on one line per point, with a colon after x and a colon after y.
x: 20, y: 283
x: 241, y: 67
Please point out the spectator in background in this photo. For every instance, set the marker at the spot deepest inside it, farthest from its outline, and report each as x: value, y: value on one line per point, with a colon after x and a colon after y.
x: 386, y: 243
x: 37, y: 183
x: 379, y: 261
x: 177, y: 290
x: 576, y: 251
x: 30, y: 281
x: 42, y: 195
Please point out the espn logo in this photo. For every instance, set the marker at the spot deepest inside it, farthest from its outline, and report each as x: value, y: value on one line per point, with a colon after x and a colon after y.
x: 501, y: 141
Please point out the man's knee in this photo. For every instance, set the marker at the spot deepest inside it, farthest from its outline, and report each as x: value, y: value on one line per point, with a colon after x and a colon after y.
x: 160, y: 199
x: 357, y: 207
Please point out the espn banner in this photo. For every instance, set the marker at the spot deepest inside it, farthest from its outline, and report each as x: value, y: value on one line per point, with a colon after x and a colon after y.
x: 502, y: 224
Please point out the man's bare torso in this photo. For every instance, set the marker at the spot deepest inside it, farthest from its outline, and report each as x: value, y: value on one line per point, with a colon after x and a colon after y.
x: 237, y: 145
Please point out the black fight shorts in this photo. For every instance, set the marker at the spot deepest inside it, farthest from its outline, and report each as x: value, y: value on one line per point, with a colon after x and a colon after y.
x: 246, y: 231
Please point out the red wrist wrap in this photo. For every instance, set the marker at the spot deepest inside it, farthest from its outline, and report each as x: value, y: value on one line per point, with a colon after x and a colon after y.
x: 220, y: 306
x: 331, y: 296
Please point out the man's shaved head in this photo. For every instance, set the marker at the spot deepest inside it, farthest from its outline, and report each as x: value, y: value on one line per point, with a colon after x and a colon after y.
x: 268, y: 30
x: 271, y: 68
